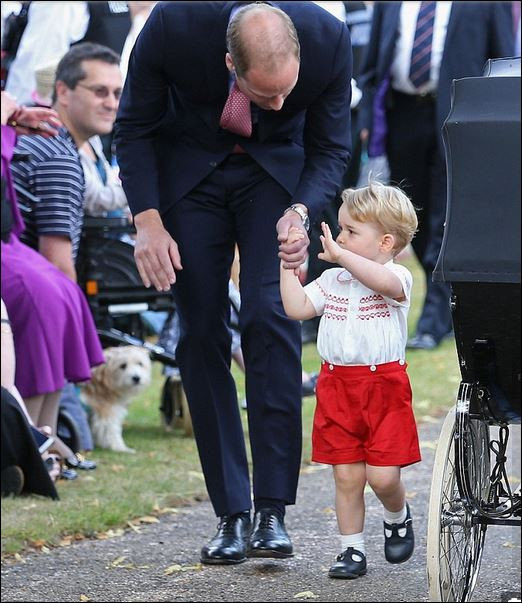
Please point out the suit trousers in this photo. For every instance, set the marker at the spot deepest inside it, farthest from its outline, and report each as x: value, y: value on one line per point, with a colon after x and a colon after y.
x: 418, y: 167
x: 238, y: 202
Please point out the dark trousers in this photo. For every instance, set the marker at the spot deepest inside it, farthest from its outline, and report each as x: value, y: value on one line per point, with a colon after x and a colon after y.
x: 239, y: 202
x: 418, y: 167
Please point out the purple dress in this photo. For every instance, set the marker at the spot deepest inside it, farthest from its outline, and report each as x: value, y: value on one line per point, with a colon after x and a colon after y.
x: 54, y: 333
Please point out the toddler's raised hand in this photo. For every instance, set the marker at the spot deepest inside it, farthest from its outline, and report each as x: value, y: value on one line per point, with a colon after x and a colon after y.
x: 331, y: 250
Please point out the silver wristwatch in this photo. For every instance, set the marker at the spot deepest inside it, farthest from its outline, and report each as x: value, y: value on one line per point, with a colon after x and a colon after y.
x: 302, y: 214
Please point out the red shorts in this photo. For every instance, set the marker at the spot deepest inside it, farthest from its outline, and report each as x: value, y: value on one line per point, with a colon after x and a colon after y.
x: 364, y: 413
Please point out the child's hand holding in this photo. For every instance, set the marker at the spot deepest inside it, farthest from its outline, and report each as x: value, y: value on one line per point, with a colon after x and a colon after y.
x: 331, y: 250
x: 294, y: 234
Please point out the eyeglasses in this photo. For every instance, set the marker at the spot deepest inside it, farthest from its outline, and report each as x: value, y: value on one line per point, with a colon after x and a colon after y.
x: 102, y: 91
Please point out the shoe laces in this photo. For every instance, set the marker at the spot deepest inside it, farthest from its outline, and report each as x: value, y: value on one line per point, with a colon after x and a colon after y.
x: 267, y: 520
x: 227, y: 524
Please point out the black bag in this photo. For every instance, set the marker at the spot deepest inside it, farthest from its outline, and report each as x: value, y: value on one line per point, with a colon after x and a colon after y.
x: 14, y: 27
x: 7, y: 216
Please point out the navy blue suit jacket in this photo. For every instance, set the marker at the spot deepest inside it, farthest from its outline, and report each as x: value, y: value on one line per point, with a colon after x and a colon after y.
x: 168, y: 137
x: 477, y: 31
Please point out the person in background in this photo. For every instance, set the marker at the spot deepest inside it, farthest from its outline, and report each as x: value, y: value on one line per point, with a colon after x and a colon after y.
x: 416, y: 50
x: 54, y: 334
x: 221, y: 128
x: 363, y: 424
x: 87, y: 91
x: 139, y: 13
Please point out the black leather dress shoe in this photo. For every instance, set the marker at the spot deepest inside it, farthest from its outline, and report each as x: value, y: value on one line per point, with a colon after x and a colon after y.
x: 229, y: 545
x: 397, y: 548
x: 349, y: 565
x: 269, y: 537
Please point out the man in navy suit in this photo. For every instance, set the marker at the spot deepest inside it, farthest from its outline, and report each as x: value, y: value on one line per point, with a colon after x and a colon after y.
x: 196, y: 188
x: 464, y: 36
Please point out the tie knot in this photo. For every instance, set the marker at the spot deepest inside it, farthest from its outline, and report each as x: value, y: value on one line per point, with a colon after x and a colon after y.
x: 236, y: 116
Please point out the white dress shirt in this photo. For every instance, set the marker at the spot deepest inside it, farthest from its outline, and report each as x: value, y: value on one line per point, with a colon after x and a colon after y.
x: 400, y: 69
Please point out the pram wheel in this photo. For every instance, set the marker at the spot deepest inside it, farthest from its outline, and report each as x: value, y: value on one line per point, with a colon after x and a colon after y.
x: 455, y: 540
x: 174, y: 407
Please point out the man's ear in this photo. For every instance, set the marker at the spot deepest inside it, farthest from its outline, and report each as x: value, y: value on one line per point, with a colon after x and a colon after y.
x: 229, y: 62
x: 61, y: 92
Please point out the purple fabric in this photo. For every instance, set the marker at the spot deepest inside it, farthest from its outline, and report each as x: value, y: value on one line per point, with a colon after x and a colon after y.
x: 54, y: 332
x: 377, y: 145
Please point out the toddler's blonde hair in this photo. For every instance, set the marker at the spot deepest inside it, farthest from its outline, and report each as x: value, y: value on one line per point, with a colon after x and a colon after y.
x: 387, y: 206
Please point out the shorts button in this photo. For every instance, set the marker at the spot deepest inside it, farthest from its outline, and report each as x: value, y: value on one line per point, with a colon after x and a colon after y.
x: 373, y: 368
x: 330, y: 366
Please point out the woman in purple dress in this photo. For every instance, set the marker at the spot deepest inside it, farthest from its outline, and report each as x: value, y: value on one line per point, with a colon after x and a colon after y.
x: 54, y: 333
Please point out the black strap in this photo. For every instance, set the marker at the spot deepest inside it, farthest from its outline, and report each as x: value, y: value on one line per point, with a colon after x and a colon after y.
x: 14, y: 27
x: 7, y: 216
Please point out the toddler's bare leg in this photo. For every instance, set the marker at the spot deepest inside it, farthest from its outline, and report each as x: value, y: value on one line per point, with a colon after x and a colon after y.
x: 387, y: 485
x: 349, y: 496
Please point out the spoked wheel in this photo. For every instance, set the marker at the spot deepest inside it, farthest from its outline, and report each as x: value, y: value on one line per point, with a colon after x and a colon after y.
x: 455, y: 540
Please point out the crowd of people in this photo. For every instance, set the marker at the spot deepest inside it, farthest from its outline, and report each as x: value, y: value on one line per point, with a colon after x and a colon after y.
x: 239, y: 127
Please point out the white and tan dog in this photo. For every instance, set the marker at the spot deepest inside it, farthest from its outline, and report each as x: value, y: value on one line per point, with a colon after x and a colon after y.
x: 113, y: 386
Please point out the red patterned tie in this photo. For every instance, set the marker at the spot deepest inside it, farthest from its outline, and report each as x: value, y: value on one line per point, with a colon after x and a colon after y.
x: 236, y: 115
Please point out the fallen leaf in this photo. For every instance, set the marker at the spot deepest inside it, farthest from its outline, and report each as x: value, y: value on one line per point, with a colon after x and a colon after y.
x: 117, y: 468
x: 431, y: 444
x: 117, y: 561
x: 148, y: 519
x: 171, y: 569
x: 84, y: 598
x: 509, y: 545
x: 133, y: 527
x: 307, y: 594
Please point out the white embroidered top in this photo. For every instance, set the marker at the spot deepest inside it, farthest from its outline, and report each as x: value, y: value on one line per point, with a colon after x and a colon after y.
x: 359, y: 326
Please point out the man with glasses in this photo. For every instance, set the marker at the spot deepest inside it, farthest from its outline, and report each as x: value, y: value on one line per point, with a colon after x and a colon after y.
x: 87, y: 90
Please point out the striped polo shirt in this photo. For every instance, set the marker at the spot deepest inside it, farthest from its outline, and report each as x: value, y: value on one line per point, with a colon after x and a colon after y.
x: 54, y: 175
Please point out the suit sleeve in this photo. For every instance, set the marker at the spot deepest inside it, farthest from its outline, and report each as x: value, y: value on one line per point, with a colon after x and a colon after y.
x: 327, y: 137
x: 143, y: 107
x: 502, y: 40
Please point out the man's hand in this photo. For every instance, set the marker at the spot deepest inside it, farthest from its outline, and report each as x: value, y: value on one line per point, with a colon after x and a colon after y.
x: 292, y: 249
x: 156, y: 253
x: 331, y: 250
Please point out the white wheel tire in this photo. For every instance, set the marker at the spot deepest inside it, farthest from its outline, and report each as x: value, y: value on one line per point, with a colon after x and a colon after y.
x: 440, y: 478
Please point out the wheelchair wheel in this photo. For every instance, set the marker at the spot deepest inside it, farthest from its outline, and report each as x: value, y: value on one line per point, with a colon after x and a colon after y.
x: 68, y: 430
x: 455, y: 541
x: 174, y: 407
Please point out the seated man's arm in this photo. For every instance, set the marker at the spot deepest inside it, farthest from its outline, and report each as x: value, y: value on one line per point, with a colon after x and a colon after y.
x: 58, y: 250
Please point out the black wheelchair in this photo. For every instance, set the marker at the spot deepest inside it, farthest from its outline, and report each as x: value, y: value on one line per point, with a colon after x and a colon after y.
x: 117, y: 298
x: 480, y: 258
x: 107, y: 274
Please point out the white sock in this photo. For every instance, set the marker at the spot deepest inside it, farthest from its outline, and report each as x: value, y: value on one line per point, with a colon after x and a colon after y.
x: 355, y: 541
x: 396, y: 517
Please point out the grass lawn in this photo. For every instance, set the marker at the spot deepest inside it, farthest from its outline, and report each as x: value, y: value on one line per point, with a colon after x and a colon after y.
x: 126, y: 490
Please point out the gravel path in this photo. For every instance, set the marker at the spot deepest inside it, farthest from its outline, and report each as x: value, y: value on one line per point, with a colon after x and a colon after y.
x: 160, y: 563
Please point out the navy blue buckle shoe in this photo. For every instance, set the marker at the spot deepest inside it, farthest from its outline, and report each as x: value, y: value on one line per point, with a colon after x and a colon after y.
x: 350, y: 564
x: 397, y: 548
